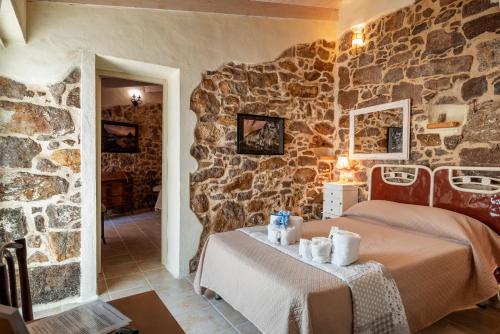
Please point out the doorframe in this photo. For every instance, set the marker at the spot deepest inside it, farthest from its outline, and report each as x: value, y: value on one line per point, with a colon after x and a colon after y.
x: 92, y: 66
x: 128, y: 76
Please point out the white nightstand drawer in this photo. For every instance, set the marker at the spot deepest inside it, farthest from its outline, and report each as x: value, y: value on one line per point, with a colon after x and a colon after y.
x: 337, y: 198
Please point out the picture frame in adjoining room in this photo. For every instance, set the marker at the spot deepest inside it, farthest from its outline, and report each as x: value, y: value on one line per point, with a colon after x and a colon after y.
x: 260, y: 135
x: 394, y: 139
x: 119, y: 137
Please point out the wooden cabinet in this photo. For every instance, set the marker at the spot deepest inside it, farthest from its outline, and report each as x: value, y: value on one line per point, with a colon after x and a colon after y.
x: 117, y: 191
x: 338, y: 197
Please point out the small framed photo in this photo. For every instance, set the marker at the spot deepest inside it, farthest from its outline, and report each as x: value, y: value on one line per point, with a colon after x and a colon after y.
x: 261, y: 135
x: 394, y: 140
x: 119, y: 137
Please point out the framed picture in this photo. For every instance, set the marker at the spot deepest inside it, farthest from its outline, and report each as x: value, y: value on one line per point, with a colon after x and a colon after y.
x: 394, y: 139
x: 119, y: 137
x: 261, y: 135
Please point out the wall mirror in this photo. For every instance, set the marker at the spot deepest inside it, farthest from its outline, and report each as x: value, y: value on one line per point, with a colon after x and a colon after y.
x: 380, y: 132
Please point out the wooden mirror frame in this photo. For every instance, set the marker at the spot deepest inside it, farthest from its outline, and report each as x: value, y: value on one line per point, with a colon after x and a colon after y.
x: 405, y: 106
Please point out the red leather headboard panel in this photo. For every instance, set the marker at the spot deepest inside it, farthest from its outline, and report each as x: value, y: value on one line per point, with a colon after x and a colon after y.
x: 417, y: 190
x: 485, y: 207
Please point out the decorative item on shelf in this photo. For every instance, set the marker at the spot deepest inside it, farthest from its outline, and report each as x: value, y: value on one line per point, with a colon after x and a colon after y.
x: 447, y: 118
x: 345, y: 170
x: 357, y: 39
x: 135, y: 97
x: 279, y: 218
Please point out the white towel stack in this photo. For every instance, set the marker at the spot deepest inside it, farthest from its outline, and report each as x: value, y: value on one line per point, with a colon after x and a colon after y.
x: 345, y: 247
x: 288, y: 236
x: 321, y: 249
x: 296, y: 221
x: 273, y: 234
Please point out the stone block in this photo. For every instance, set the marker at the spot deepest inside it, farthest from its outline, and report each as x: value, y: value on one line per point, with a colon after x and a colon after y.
x: 12, y: 224
x: 23, y: 186
x: 54, y: 282
x: 18, y: 152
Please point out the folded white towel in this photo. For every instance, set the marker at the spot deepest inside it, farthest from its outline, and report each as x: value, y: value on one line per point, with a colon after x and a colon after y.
x: 288, y: 236
x: 296, y: 221
x: 273, y: 234
x: 274, y: 220
x: 321, y: 249
x: 305, y: 249
x: 345, y: 247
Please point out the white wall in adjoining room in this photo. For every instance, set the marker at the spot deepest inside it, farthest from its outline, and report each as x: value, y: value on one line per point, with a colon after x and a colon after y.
x: 192, y: 42
x: 354, y: 12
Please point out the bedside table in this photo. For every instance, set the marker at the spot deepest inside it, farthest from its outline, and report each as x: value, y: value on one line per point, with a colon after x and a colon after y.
x: 338, y: 197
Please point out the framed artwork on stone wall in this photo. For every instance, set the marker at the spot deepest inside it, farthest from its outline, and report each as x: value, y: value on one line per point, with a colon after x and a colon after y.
x: 394, y: 139
x: 260, y: 135
x: 119, y: 137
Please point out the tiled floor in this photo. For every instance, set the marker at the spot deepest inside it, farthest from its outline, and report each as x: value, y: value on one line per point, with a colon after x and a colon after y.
x: 131, y: 265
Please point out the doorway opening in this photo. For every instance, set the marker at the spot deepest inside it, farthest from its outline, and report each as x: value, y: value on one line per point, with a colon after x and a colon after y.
x: 131, y: 114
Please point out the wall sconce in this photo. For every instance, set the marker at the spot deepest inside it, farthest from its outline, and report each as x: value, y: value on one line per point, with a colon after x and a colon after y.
x: 357, y: 39
x: 135, y: 97
x: 345, y: 169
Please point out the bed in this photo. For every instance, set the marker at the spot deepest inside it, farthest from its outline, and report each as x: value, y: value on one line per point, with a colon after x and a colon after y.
x: 440, y: 259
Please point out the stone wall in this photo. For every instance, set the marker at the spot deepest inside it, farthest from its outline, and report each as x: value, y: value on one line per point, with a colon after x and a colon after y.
x: 145, y: 165
x: 229, y: 190
x: 433, y: 52
x: 40, y: 181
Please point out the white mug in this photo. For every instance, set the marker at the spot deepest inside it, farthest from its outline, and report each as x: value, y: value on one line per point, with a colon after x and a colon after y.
x: 305, y: 249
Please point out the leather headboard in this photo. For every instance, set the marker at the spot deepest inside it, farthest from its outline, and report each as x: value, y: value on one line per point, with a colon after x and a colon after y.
x: 410, y: 184
x: 473, y: 191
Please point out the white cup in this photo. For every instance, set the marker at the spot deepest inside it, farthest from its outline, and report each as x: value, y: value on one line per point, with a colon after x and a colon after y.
x: 305, y: 249
x: 287, y: 236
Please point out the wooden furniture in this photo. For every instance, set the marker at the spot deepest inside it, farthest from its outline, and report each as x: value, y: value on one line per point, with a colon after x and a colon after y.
x: 117, y: 191
x: 338, y: 197
x: 8, y: 284
x: 148, y: 314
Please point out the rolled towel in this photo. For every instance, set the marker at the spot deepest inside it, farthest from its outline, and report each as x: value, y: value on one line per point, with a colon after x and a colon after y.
x: 274, y: 220
x: 346, y: 248
x: 321, y: 249
x: 287, y: 236
x: 296, y: 221
x: 273, y: 234
x: 305, y: 249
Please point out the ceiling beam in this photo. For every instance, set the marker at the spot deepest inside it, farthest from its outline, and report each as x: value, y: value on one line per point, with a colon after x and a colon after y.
x: 13, y: 21
x: 236, y: 7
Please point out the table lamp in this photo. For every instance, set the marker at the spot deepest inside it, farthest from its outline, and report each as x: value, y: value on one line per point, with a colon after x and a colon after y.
x: 343, y: 166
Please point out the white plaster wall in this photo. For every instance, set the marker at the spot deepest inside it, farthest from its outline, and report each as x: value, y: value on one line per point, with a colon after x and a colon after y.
x: 193, y: 42
x: 120, y: 96
x: 354, y: 12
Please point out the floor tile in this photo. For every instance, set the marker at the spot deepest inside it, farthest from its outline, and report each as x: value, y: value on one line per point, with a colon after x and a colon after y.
x: 178, y: 306
x: 230, y: 314
x: 205, y: 321
x: 445, y: 327
x: 127, y: 282
x: 476, y: 319
x: 129, y: 292
x: 119, y: 269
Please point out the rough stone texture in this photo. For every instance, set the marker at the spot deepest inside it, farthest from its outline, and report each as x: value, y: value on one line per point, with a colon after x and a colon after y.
x: 63, y: 216
x: 50, y: 283
x: 12, y: 224
x: 145, y: 166
x: 68, y: 158
x: 39, y: 133
x: 455, y: 61
x: 64, y: 245
x: 229, y: 191
x: 18, y: 152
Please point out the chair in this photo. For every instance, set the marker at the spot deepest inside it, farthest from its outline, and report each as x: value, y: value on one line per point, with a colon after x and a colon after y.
x: 8, y: 288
